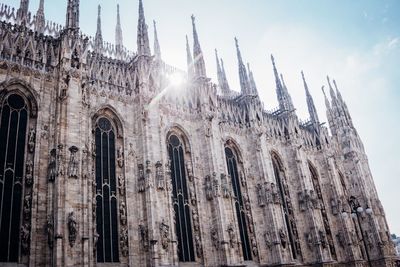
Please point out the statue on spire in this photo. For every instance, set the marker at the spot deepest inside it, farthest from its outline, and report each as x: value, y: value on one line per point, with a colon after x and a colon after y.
x: 199, y: 64
x: 157, y: 49
x: 244, y: 79
x: 22, y: 12
x: 118, y: 32
x: 98, y: 41
x: 143, y: 44
x: 284, y: 98
x: 310, y: 104
x: 40, y: 19
x: 72, y: 18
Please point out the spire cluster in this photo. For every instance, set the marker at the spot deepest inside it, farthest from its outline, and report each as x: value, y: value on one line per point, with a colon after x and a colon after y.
x: 196, y: 68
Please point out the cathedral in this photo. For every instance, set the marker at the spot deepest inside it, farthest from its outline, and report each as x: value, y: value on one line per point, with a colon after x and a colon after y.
x: 110, y: 157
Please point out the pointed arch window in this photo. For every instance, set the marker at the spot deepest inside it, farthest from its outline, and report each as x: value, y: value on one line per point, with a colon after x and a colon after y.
x: 327, y: 228
x: 14, y: 122
x: 106, y: 192
x: 232, y: 164
x: 183, y: 223
x: 285, y: 200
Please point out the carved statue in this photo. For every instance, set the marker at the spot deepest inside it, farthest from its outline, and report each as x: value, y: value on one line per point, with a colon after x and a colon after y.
x: 29, y: 173
x: 168, y: 173
x: 27, y: 206
x: 164, y: 233
x: 160, y: 176
x: 64, y: 85
x: 341, y: 239
x: 369, y: 239
x: 50, y: 231
x: 302, y: 201
x: 120, y: 157
x: 275, y: 194
x: 322, y: 238
x: 52, y: 168
x: 260, y: 195
x: 246, y: 202
x: 192, y: 195
x: 249, y: 221
x: 283, y: 238
x: 195, y: 218
x: 60, y: 160
x: 31, y: 140
x: 95, y: 240
x: 189, y: 170
x: 148, y: 180
x: 309, y: 239
x: 121, y: 184
x: 208, y: 188
x: 197, y: 243
x: 268, y: 239
x: 122, y: 212
x: 141, y: 179
x: 314, y: 200
x: 224, y: 186
x: 254, y: 246
x: 334, y: 207
x: 215, y: 238
x: 307, y: 199
x: 123, y: 242
x: 85, y: 95
x: 25, y: 237
x: 268, y: 196
x: 144, y: 236
x: 73, y: 166
x: 72, y: 228
x: 215, y: 184
x: 232, y: 236
x: 242, y: 178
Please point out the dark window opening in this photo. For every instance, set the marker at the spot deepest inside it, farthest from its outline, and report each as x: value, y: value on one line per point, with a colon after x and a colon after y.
x: 240, y: 210
x: 106, y: 200
x: 327, y: 228
x: 13, y: 128
x: 284, y: 198
x: 182, y: 209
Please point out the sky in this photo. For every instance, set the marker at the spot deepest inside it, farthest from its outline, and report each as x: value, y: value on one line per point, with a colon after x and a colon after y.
x: 357, y: 43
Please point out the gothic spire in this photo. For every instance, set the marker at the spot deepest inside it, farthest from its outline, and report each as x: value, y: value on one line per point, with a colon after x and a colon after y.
x: 118, y: 31
x: 244, y: 79
x: 143, y: 45
x: 310, y: 103
x: 189, y: 59
x: 224, y: 79
x: 40, y: 19
x: 333, y: 95
x: 284, y: 99
x: 157, y: 50
x: 99, y: 37
x: 219, y: 70
x: 199, y: 64
x: 72, y: 18
x: 252, y: 82
x: 279, y: 89
x: 22, y: 12
x: 327, y: 104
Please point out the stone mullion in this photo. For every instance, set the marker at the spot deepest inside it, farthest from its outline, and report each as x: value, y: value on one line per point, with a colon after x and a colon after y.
x: 269, y: 216
x: 312, y: 217
x: 86, y: 186
x: 35, y: 187
x: 341, y: 224
x: 218, y: 162
x: 59, y: 187
x: 149, y: 194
